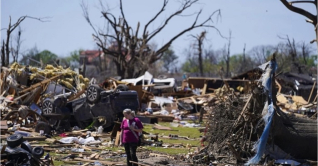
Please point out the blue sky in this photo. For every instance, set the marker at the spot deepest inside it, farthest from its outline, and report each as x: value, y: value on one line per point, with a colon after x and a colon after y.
x: 256, y: 22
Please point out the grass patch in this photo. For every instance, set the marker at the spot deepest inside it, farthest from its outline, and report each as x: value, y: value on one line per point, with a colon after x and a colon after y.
x: 181, y: 141
x: 181, y: 131
x: 169, y: 151
x: 115, y: 148
x: 56, y: 156
x: 58, y: 163
x: 192, y: 133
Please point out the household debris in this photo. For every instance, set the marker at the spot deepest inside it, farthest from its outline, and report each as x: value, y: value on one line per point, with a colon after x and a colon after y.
x: 56, y: 103
x: 235, y: 126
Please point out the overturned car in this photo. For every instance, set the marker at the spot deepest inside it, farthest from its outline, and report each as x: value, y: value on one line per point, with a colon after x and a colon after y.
x: 99, y: 108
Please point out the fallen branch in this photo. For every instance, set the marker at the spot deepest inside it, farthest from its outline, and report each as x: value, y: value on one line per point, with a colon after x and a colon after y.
x: 236, y: 154
x: 243, y: 110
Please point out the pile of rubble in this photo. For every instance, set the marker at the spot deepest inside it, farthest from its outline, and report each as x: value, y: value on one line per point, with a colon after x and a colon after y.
x: 40, y: 104
x: 238, y: 125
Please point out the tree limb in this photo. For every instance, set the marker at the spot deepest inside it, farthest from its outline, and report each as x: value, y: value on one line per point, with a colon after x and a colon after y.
x: 106, y: 35
x: 122, y: 13
x: 86, y: 16
x: 313, y: 2
x: 165, y: 2
x: 300, y: 11
x: 203, y: 24
x: 186, y: 5
x: 107, y: 51
x: 23, y: 18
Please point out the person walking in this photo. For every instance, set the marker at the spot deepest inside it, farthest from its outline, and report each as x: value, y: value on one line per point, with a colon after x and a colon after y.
x: 131, y: 126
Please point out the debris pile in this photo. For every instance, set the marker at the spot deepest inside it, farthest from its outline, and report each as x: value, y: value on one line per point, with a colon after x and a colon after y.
x: 76, y: 114
x: 236, y: 127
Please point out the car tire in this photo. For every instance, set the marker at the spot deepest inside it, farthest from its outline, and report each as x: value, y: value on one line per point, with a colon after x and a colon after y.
x: 93, y: 94
x: 14, y: 140
x: 26, y: 146
x: 48, y: 106
x: 43, y: 126
x: 38, y: 152
x: 122, y: 87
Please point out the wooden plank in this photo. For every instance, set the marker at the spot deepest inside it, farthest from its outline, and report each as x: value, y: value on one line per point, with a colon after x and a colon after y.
x: 282, y: 99
x: 51, y: 140
x: 204, y: 88
x: 312, y: 90
x: 3, y: 125
x: 193, y: 100
x: 243, y: 110
x: 92, y: 156
x: 117, y: 140
x: 184, y: 84
x: 40, y: 83
x: 49, y: 149
x: 161, y: 127
x: 299, y: 99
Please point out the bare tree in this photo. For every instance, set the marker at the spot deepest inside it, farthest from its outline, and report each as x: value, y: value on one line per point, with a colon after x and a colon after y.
x: 199, y: 39
x: 15, y: 52
x: 242, y: 67
x: 227, y: 55
x: 306, y: 51
x: 292, y: 55
x: 311, y: 18
x: 130, y: 51
x: 5, y: 48
x: 261, y: 53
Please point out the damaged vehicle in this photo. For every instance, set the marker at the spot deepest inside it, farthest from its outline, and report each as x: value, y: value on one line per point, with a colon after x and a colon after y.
x: 99, y: 107
x: 20, y: 152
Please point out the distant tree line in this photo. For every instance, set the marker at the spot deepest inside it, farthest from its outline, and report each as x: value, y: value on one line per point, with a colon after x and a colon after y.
x: 292, y: 56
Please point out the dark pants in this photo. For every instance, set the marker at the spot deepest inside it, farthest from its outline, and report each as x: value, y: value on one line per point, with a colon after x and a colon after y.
x: 130, y: 149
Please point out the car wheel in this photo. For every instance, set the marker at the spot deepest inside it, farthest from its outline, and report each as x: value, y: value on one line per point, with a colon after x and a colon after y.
x: 26, y: 146
x: 122, y: 87
x: 14, y: 140
x: 48, y: 106
x: 93, y: 93
x: 37, y: 152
